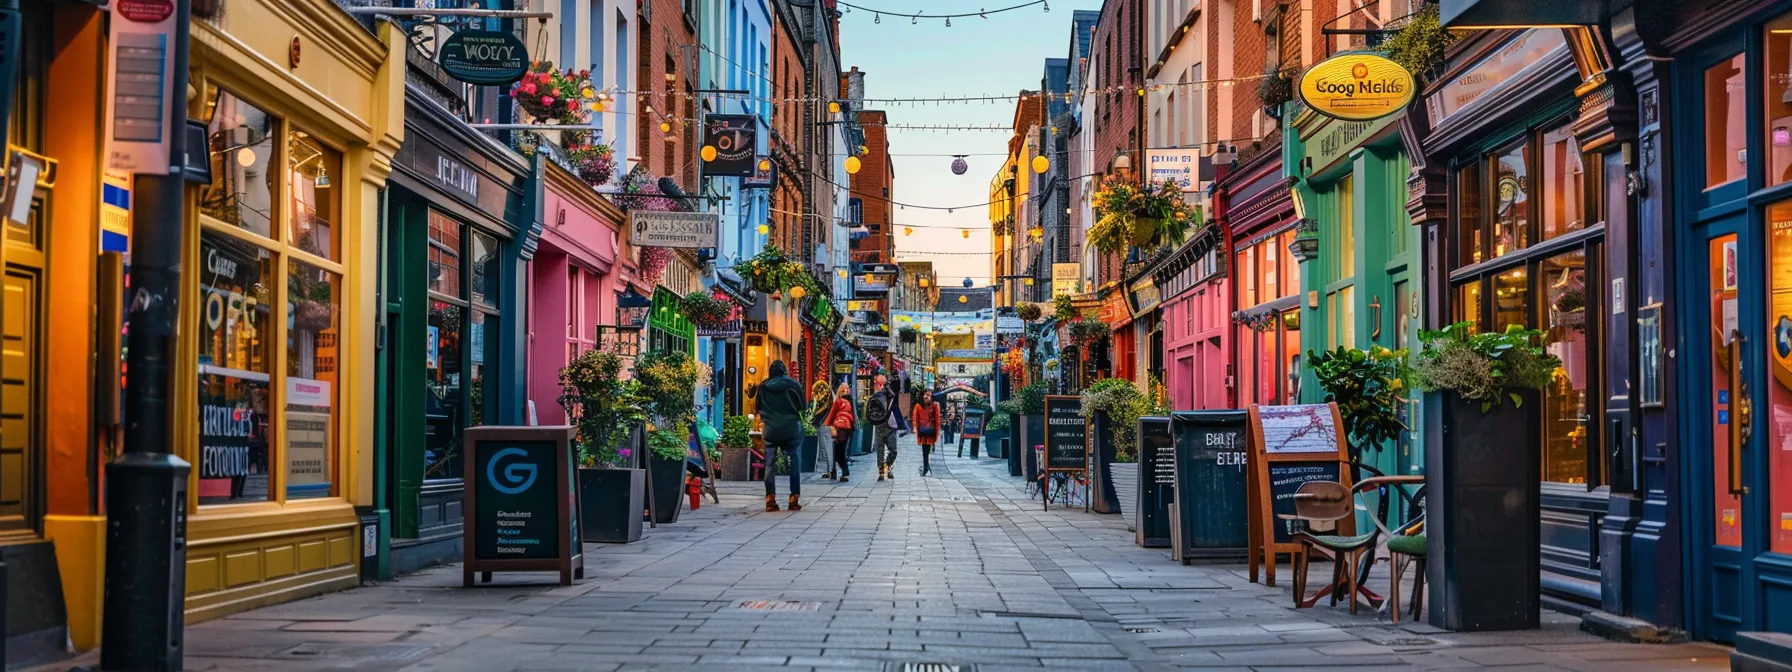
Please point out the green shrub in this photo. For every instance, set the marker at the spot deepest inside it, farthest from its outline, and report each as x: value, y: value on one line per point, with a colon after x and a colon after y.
x: 1484, y: 367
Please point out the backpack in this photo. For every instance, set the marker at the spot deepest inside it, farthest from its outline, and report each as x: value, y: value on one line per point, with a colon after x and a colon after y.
x: 877, y: 408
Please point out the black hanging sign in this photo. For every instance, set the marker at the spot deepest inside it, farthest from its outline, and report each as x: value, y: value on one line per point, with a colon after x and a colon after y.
x: 484, y: 57
x: 732, y: 136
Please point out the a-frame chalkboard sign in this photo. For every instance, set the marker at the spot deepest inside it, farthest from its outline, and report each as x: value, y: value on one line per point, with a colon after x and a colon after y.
x: 522, y: 503
x: 1290, y: 446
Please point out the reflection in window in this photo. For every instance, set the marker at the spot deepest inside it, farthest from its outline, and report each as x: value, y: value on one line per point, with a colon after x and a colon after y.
x: 1725, y: 122
x: 1566, y: 438
x: 1467, y: 307
x: 1511, y: 298
x: 442, y: 405
x: 314, y: 327
x: 1779, y: 356
x: 240, y: 143
x: 1777, y: 90
x: 1468, y: 215
x: 444, y: 255
x: 1564, y: 208
x: 482, y: 334
x: 315, y: 196
x: 485, y: 268
x: 1511, y: 212
x: 1346, y: 228
x: 235, y: 324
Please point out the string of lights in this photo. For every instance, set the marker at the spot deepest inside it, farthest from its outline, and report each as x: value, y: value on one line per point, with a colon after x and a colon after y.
x: 945, y: 99
x: 877, y: 15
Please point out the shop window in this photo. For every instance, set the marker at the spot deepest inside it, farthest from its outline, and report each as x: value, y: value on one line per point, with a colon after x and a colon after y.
x: 1468, y: 214
x: 484, y: 253
x: 235, y: 338
x: 240, y: 139
x: 1511, y: 299
x: 1284, y: 249
x: 1778, y: 98
x: 444, y: 254
x: 313, y: 302
x: 312, y: 171
x: 442, y: 405
x: 1722, y: 298
x: 1511, y: 212
x: 1467, y: 306
x: 1347, y: 316
x: 1779, y: 384
x: 1726, y: 156
x: 1567, y: 401
x: 1247, y: 272
x: 1266, y: 267
x: 1564, y: 184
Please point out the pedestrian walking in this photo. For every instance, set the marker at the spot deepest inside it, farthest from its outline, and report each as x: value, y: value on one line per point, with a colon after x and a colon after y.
x: 927, y: 429
x: 781, y: 408
x: 821, y: 404
x: 841, y: 420
x: 880, y: 409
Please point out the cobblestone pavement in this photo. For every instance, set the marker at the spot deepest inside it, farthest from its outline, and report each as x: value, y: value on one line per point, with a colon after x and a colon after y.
x: 958, y: 568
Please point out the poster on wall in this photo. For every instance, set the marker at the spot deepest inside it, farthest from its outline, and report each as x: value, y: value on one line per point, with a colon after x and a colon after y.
x: 307, y: 422
x: 432, y: 356
x: 1180, y: 165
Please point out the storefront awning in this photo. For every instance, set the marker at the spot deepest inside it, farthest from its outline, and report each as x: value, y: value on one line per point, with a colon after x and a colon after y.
x: 1526, y: 13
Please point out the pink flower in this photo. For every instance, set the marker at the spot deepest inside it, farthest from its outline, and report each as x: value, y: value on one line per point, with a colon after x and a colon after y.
x: 584, y: 73
x: 528, y: 88
x: 625, y: 452
x: 572, y: 106
x: 547, y: 101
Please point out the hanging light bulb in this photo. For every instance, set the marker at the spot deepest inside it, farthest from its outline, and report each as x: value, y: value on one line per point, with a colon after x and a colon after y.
x: 708, y: 153
x: 914, y: 19
x: 833, y: 107
x: 966, y: 232
x: 924, y: 283
x: 959, y: 166
x: 877, y: 18
x: 908, y: 231
x: 1041, y: 164
x: 852, y: 164
x: 948, y: 22
x: 963, y: 299
x: 842, y: 272
x: 765, y: 165
x: 763, y: 229
x: 665, y: 127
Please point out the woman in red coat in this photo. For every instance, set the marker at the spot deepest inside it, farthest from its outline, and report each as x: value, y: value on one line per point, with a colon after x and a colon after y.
x: 927, y: 428
x: 841, y: 420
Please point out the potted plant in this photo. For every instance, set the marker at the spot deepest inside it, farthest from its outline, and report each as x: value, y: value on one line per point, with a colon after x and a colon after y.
x: 669, y: 380
x: 606, y: 409
x: 1062, y: 308
x: 1274, y: 89
x: 1087, y: 332
x: 595, y: 163
x: 1030, y: 312
x: 736, y: 441
x: 1420, y: 45
x: 1481, y: 465
x: 1009, y: 412
x: 770, y: 272
x: 1032, y: 426
x: 705, y: 310
x: 811, y: 440
x: 1108, y: 404
x: 1369, y: 387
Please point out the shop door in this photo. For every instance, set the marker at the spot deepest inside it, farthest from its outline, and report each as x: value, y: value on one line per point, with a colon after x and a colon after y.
x: 1741, y: 568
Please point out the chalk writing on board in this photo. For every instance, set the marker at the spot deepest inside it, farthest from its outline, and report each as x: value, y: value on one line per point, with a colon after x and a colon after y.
x: 1298, y: 429
x: 1285, y: 480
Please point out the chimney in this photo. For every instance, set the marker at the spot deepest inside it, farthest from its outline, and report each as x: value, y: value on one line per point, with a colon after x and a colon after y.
x: 855, y: 87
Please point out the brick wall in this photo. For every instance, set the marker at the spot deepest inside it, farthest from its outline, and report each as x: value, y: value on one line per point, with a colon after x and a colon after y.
x: 872, y: 186
x: 1249, y: 57
x: 787, y: 89
x: 672, y: 152
x: 1116, y: 80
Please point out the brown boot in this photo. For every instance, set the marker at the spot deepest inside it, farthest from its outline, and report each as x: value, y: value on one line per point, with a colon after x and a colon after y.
x: 771, y: 503
x: 794, y: 504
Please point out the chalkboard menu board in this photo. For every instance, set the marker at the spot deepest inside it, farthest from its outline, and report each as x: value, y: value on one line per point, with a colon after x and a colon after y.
x: 1066, y: 434
x: 973, y: 423
x: 521, y: 509
x: 1212, y: 511
x: 1157, y: 483
x: 1290, y: 446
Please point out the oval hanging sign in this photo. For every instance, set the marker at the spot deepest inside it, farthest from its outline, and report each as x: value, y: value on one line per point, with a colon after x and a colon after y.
x: 484, y: 57
x: 1357, y: 87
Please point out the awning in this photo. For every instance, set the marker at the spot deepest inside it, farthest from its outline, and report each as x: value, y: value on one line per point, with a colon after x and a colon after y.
x: 735, y: 287
x: 1527, y: 13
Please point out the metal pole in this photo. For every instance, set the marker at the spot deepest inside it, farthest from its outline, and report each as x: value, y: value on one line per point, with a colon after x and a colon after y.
x: 146, y: 488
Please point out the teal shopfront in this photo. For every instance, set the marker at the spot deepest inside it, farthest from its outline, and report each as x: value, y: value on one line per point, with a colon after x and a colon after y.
x: 461, y: 219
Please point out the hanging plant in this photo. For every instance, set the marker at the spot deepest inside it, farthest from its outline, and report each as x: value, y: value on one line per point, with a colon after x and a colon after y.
x: 909, y: 334
x: 1132, y: 215
x: 1014, y: 363
x: 653, y: 263
x: 771, y: 272
x: 705, y: 310
x: 1089, y: 332
x: 1029, y: 312
x: 1273, y: 90
x: 641, y: 191
x: 595, y: 164
x: 555, y: 97
x: 1421, y: 45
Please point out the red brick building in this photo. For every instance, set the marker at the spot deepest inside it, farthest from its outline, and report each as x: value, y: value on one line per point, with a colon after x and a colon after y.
x: 1116, y: 79
x: 788, y: 95
x: 666, y: 138
x: 871, y: 192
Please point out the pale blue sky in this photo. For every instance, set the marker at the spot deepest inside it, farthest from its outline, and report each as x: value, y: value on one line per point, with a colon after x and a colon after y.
x: 1002, y: 54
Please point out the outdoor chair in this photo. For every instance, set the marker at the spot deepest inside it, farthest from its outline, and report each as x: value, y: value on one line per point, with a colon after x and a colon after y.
x: 1407, y: 544
x: 1326, y: 502
x: 1404, y: 542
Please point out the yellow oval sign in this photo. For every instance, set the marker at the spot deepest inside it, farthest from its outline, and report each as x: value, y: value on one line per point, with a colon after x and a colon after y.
x: 1357, y: 87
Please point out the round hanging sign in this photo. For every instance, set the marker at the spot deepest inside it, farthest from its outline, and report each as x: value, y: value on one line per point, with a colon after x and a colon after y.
x: 484, y: 57
x: 1357, y: 87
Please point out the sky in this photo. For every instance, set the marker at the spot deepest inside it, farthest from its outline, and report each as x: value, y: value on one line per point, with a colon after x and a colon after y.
x: 1002, y: 54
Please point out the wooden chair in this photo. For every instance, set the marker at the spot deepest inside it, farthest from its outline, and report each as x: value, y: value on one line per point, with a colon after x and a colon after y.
x: 1407, y: 544
x: 1326, y: 502
x: 1404, y: 542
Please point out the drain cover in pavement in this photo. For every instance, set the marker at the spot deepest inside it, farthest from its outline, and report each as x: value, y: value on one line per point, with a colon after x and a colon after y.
x: 1140, y: 630
x: 1392, y: 637
x: 926, y: 667
x: 778, y: 605
x: 371, y: 652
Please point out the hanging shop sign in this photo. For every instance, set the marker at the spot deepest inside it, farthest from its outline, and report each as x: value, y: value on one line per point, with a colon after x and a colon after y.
x: 484, y: 57
x: 1067, y: 279
x: 733, y: 137
x: 874, y: 279
x: 690, y: 230
x: 141, y: 104
x: 1010, y: 324
x: 1357, y: 87
x: 1144, y: 297
x: 966, y: 355
x: 765, y: 174
x: 874, y: 342
x: 729, y: 329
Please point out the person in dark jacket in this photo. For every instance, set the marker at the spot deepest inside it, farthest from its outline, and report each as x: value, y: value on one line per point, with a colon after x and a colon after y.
x: 781, y: 408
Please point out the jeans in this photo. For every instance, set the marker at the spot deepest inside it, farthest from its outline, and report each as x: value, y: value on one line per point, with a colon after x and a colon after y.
x: 842, y: 441
x: 883, y: 438
x: 792, y: 448
x: 824, y: 444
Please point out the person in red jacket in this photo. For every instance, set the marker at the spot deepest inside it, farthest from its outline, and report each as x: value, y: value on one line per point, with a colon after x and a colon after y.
x: 841, y: 420
x: 927, y: 428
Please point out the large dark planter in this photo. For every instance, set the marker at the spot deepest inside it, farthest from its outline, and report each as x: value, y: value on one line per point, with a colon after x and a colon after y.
x: 1482, y: 505
x: 862, y: 439
x: 810, y: 444
x: 1103, y: 453
x: 668, y: 488
x: 1016, y: 446
x: 1033, y: 435
x: 610, y: 502
x: 991, y: 443
x: 737, y: 463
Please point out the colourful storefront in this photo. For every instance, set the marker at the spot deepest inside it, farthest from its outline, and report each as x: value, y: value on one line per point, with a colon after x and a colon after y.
x: 573, y: 288
x: 1195, y: 316
x: 1263, y: 330
x: 302, y: 105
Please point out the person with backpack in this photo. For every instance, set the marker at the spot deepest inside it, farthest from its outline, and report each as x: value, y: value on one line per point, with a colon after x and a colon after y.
x: 880, y: 409
x: 927, y: 429
x: 781, y: 406
x: 841, y: 420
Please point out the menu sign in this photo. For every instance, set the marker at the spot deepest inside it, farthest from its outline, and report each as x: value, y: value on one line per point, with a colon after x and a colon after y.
x: 1290, y: 446
x: 1157, y: 483
x: 1284, y: 481
x: 1066, y: 434
x: 1212, y: 508
x: 973, y: 423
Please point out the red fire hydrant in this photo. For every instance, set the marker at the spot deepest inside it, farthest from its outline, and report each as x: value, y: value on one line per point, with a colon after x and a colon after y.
x: 694, y: 488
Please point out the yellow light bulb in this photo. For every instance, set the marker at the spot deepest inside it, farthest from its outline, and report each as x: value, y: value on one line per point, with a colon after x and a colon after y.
x: 709, y: 153
x: 907, y: 231
x: 842, y: 272
x: 834, y: 107
x: 665, y: 127
x: 852, y: 164
x: 966, y: 233
x: 1041, y: 164
x: 765, y: 165
x: 924, y: 283
x: 964, y: 299
x: 763, y: 229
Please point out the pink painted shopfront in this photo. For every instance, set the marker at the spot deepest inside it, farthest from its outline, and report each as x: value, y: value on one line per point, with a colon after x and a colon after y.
x: 1266, y: 283
x: 576, y: 278
x: 1195, y: 316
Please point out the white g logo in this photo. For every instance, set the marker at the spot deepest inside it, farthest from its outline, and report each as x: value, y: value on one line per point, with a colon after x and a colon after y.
x: 517, y: 477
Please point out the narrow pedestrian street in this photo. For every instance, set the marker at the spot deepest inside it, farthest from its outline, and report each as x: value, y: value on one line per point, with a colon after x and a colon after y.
x: 958, y: 568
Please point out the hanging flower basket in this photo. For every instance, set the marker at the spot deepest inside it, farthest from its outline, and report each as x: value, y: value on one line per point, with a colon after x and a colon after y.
x: 596, y: 164
x: 1143, y: 230
x: 1133, y: 215
x: 552, y: 96
x: 705, y: 310
x: 1089, y: 332
x: 653, y: 263
x: 1029, y: 312
x: 770, y: 272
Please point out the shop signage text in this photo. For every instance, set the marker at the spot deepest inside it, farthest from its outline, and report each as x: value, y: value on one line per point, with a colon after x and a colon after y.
x: 141, y: 103
x: 1067, y: 279
x: 1357, y: 87
x: 484, y: 57
x: 691, y: 230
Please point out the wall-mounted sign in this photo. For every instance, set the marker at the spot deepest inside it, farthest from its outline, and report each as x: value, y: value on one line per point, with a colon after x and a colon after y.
x: 965, y: 355
x: 1503, y: 65
x: 1182, y: 165
x: 484, y: 57
x: 141, y: 104
x: 1010, y: 324
x: 762, y: 179
x: 1067, y: 279
x: 733, y: 137
x: 1357, y: 87
x: 694, y: 230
